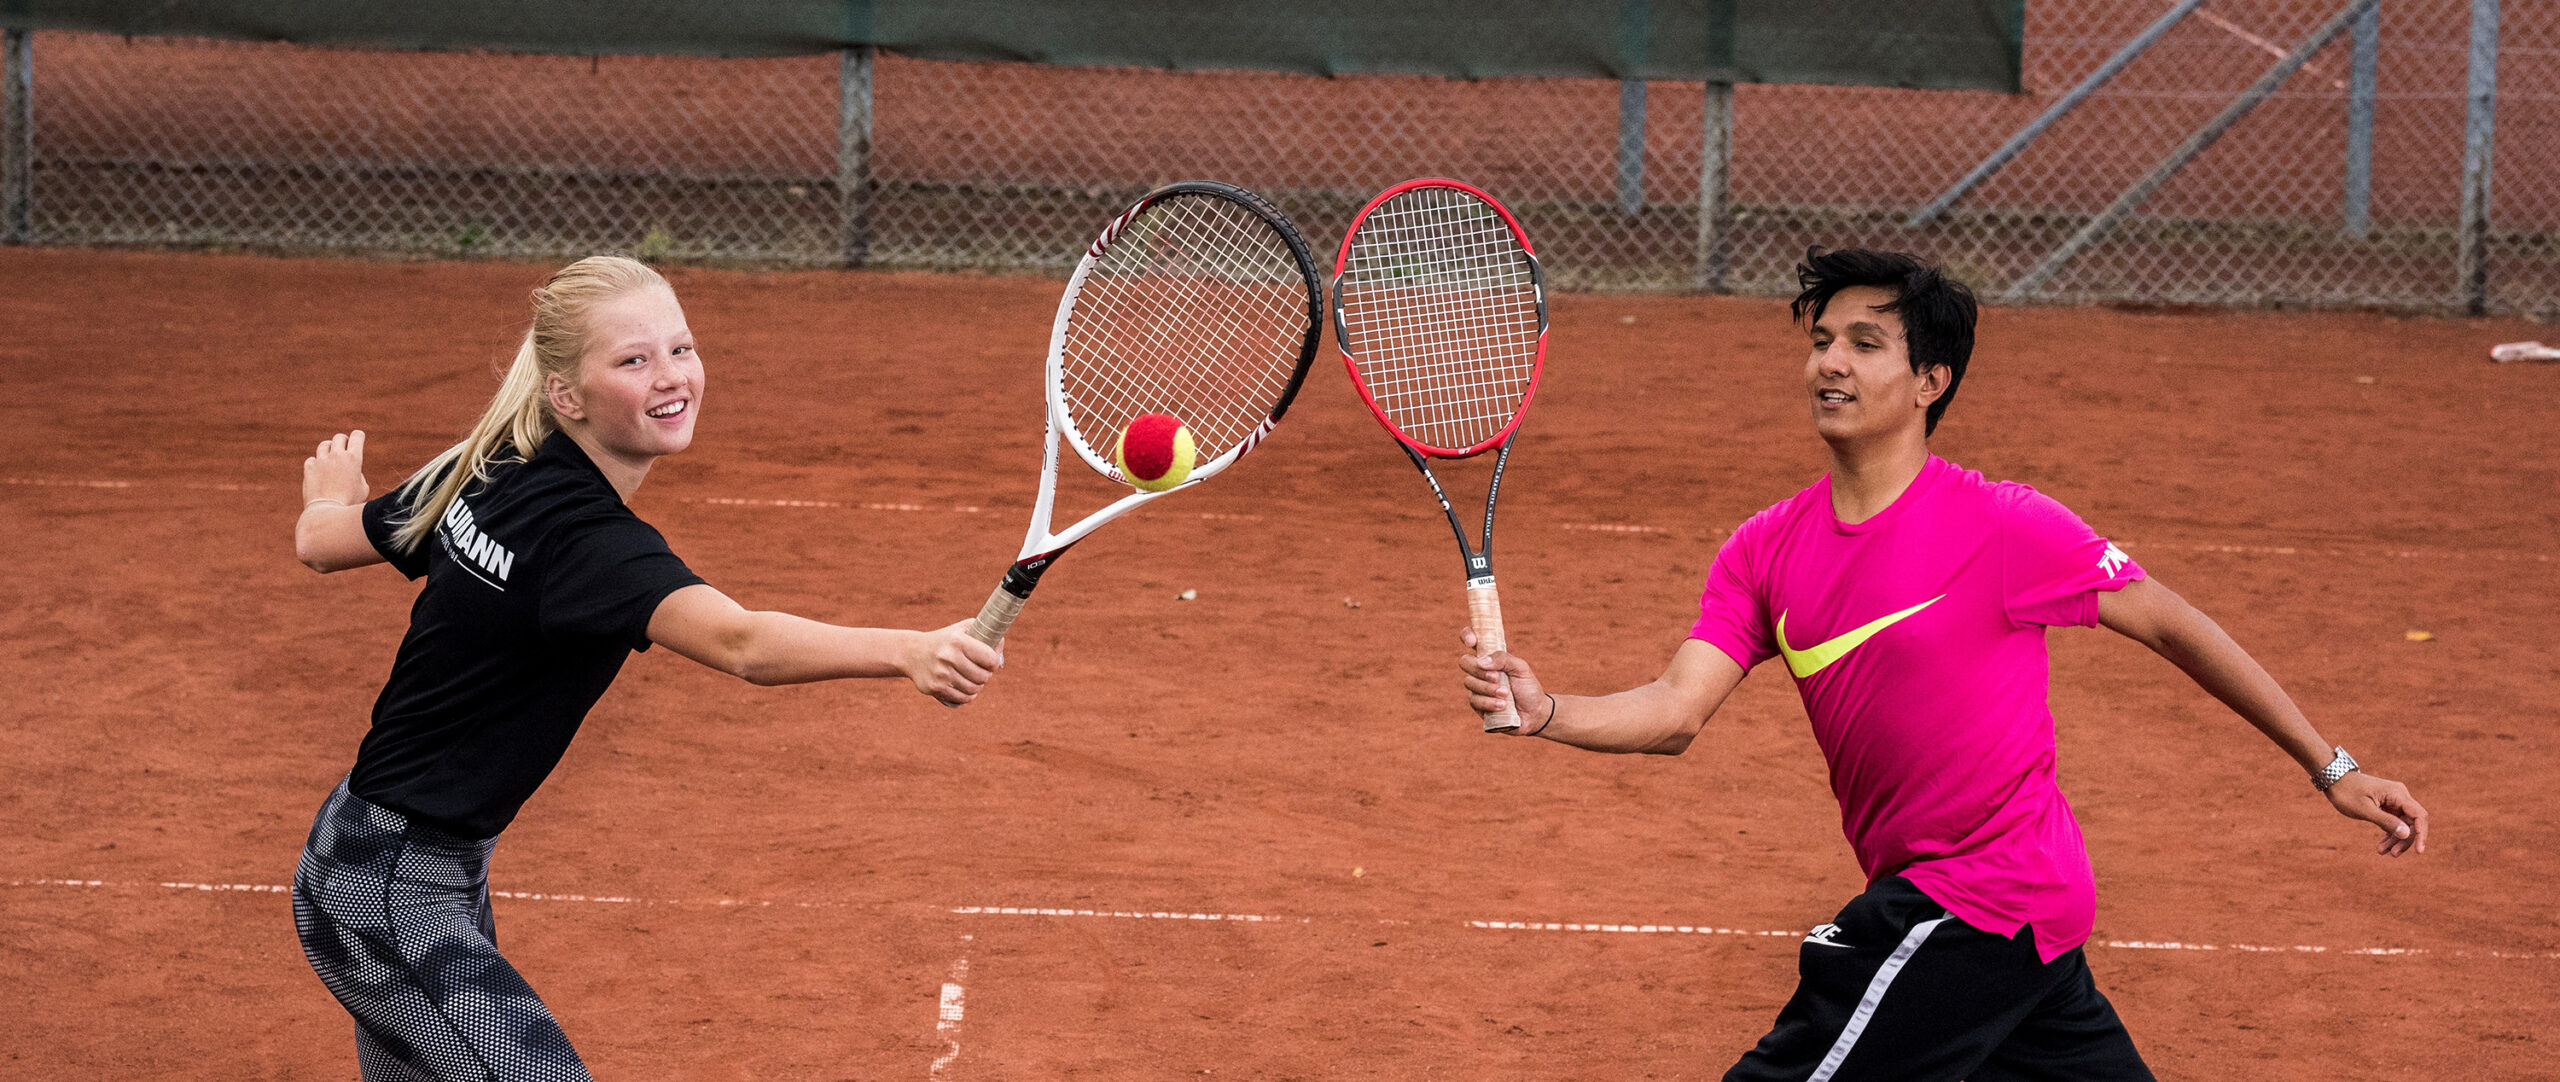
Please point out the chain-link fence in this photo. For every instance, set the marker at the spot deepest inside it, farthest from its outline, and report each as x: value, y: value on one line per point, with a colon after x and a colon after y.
x: 897, y: 162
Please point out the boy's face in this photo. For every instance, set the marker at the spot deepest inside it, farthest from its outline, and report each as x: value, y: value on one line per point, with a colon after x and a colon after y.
x: 1859, y: 378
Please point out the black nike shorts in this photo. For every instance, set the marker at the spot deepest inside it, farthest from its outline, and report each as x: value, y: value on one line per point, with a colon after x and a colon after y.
x: 1896, y: 988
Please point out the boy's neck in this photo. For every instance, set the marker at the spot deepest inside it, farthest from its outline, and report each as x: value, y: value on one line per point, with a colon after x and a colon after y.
x: 1867, y: 476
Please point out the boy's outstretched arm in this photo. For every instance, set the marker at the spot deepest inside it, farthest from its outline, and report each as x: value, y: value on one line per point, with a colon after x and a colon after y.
x: 1659, y: 718
x: 2155, y: 616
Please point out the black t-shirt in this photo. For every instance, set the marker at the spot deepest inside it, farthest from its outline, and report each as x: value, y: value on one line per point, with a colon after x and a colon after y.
x: 539, y: 583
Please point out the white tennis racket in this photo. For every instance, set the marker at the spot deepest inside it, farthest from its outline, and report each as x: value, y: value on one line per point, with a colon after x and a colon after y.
x: 1441, y: 313
x: 1202, y: 302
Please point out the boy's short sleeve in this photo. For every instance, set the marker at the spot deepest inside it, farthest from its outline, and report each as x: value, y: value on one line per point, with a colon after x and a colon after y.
x: 2053, y: 566
x: 1733, y: 614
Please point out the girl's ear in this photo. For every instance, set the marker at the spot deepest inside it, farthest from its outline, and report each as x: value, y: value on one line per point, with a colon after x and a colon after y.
x: 563, y: 397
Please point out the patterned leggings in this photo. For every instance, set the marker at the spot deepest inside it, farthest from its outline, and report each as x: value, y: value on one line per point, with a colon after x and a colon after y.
x: 395, y: 919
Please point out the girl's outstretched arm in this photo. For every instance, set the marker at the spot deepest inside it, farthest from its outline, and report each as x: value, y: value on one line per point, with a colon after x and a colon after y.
x: 702, y: 623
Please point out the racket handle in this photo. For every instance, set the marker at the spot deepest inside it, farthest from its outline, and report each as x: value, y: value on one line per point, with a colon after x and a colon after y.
x: 1484, y: 613
x: 996, y: 617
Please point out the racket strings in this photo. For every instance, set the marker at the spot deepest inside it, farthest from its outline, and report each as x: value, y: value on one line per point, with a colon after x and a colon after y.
x: 1440, y: 313
x: 1198, y: 309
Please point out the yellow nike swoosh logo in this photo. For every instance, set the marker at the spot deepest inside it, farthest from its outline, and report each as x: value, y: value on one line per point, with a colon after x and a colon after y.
x: 1805, y: 663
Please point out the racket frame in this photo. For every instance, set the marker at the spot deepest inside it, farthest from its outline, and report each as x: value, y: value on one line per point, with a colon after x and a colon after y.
x: 1342, y: 333
x: 1041, y: 547
x: 1484, y: 601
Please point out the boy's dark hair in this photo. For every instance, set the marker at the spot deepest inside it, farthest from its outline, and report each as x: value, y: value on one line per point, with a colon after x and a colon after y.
x: 1937, y: 311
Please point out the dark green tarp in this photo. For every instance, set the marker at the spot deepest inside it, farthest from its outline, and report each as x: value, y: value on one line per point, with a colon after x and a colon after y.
x: 1972, y: 44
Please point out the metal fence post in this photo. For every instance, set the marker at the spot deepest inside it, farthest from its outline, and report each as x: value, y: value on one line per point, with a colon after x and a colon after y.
x: 1714, y: 239
x: 2360, y: 90
x: 1630, y: 146
x: 2479, y: 118
x: 17, y: 138
x: 1635, y: 42
x: 853, y: 154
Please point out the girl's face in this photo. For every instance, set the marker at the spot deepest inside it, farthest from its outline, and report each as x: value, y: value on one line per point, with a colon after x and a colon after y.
x: 639, y: 386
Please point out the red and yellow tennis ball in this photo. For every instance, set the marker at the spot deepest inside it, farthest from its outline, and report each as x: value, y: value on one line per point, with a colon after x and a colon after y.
x: 1154, y: 452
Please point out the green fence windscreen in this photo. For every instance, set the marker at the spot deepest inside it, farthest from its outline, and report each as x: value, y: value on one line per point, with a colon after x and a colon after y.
x: 1968, y: 44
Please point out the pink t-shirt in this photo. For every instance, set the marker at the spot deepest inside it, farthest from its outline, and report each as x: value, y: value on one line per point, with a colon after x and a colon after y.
x: 1916, y: 639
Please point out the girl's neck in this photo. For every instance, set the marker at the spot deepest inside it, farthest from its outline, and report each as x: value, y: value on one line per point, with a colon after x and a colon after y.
x: 624, y: 474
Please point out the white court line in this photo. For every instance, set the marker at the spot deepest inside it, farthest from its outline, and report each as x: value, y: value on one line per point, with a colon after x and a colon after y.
x: 954, y: 1006
x: 1031, y: 911
x: 1264, y: 918
x: 1633, y: 929
x: 2334, y: 550
x: 2184, y: 546
x: 515, y: 895
x: 2154, y: 945
x: 908, y: 507
x: 726, y: 501
x: 68, y: 482
x: 2262, y: 44
x: 842, y: 505
x: 1610, y: 527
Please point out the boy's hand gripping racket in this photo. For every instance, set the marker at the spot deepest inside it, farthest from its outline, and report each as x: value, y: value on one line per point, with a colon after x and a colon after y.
x: 1202, y: 302
x: 1441, y: 314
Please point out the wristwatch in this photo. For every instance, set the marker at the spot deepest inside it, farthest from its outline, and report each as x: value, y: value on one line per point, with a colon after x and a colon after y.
x: 2339, y: 767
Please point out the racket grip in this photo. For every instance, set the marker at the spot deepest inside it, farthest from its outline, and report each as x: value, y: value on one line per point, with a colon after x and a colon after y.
x: 996, y: 617
x: 1484, y: 613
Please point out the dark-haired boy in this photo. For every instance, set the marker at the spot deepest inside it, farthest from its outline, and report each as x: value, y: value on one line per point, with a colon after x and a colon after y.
x: 1909, y: 599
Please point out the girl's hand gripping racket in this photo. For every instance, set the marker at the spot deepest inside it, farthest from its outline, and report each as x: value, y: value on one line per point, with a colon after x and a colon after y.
x: 1441, y: 313
x: 1202, y: 302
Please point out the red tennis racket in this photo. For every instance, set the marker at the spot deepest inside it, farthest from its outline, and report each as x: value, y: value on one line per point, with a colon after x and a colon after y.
x: 1441, y: 313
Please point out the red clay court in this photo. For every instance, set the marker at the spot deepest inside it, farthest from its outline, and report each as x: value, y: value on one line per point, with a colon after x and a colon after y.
x: 1253, y: 835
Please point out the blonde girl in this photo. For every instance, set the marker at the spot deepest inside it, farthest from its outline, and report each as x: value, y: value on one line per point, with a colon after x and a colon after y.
x: 539, y: 582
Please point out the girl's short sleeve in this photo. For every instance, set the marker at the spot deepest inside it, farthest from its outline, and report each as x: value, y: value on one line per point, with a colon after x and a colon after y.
x: 383, y: 516
x: 605, y: 579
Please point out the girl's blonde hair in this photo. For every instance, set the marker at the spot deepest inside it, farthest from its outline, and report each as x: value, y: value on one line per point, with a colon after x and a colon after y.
x: 519, y: 418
